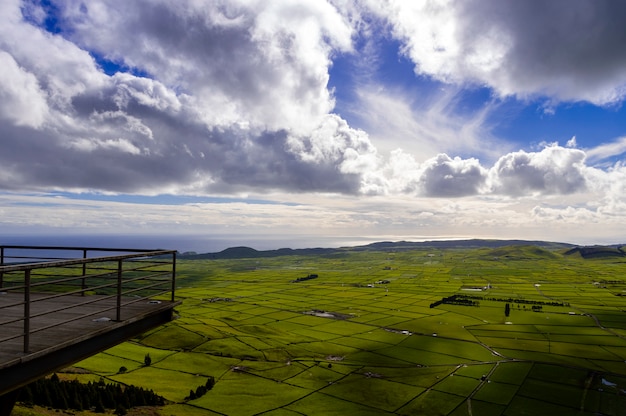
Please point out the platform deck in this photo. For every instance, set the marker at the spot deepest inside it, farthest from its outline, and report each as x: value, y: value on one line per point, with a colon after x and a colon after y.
x: 92, y: 324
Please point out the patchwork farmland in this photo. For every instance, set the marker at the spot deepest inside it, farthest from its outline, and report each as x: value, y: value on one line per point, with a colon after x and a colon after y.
x: 510, y: 331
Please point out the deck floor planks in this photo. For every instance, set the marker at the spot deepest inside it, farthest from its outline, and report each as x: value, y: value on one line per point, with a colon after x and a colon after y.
x: 56, y: 337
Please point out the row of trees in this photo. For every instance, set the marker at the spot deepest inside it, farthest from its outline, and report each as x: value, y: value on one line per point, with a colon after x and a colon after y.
x: 462, y: 300
x: 535, y: 308
x: 97, y: 396
x: 304, y: 279
x: 517, y: 300
x: 201, y: 390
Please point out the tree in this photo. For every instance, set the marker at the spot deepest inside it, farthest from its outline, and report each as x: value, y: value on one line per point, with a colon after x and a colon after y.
x: 147, y: 360
x: 99, y: 406
x: 507, y: 309
x: 210, y: 382
x: 192, y: 395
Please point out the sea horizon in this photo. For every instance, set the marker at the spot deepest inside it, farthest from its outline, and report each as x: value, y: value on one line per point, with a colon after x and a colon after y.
x: 203, y: 244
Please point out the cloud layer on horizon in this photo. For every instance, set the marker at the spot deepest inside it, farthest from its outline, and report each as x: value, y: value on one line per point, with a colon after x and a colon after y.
x: 228, y: 97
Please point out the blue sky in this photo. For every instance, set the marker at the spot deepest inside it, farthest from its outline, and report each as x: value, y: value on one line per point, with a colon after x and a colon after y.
x: 311, y: 122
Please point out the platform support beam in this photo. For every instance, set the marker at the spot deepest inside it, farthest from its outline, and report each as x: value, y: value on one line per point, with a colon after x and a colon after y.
x: 14, y: 377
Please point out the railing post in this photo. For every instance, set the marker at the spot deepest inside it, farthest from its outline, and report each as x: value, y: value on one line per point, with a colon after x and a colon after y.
x: 119, y: 290
x: 26, y: 310
x: 83, y: 285
x: 173, y: 275
x: 1, y: 264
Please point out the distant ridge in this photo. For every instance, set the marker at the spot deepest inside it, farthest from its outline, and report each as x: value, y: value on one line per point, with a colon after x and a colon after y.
x: 597, y: 251
x: 248, y: 252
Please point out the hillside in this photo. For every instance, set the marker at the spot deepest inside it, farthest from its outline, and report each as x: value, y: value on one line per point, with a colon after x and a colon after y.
x: 520, y: 252
x: 597, y: 252
x: 248, y: 252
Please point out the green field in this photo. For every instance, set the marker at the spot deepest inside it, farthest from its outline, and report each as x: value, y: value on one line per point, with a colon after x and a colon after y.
x: 362, y: 337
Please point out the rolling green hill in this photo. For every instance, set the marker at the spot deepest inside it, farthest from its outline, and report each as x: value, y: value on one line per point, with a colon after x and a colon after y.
x: 248, y: 252
x: 597, y: 251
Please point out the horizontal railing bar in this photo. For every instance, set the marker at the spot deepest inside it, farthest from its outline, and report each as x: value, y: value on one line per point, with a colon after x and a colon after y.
x: 144, y: 269
x: 74, y: 277
x: 72, y: 293
x: 12, y: 321
x: 152, y: 259
x: 64, y: 308
x: 103, y: 271
x: 148, y: 261
x: 63, y: 263
x: 75, y: 248
x: 59, y: 280
x: 87, y: 315
x: 11, y: 337
x: 89, y: 288
x: 18, y: 288
x: 64, y: 280
x: 149, y: 277
x: 15, y: 257
x: 138, y: 289
x: 92, y: 313
x: 143, y: 298
x: 99, y: 298
x: 12, y: 305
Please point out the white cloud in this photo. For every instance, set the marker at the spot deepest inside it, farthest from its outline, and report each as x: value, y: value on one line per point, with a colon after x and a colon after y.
x: 119, y: 144
x: 254, y: 62
x: 446, y: 177
x: 425, y: 126
x: 564, y: 50
x: 22, y: 101
x: 553, y: 170
x: 336, y: 143
x: 607, y: 150
x: 229, y: 86
x: 307, y: 216
x: 145, y: 92
x: 572, y: 143
x: 62, y: 69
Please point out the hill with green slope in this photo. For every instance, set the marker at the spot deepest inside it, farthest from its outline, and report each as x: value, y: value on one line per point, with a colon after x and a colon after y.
x: 248, y: 252
x: 597, y: 251
x: 521, y: 252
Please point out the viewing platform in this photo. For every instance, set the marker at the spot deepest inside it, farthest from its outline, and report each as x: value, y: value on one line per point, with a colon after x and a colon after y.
x: 59, y: 305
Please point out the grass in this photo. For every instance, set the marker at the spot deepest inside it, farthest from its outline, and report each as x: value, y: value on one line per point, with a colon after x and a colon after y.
x: 432, y: 402
x: 245, y: 323
x: 245, y: 394
x: 320, y: 404
x: 512, y: 373
x: 497, y: 393
x: 375, y: 391
x: 461, y: 386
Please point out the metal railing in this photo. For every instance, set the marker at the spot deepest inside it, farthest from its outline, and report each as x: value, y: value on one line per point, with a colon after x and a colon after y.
x: 35, y: 276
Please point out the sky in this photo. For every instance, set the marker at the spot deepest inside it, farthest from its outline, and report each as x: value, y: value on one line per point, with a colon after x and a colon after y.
x: 309, y: 123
